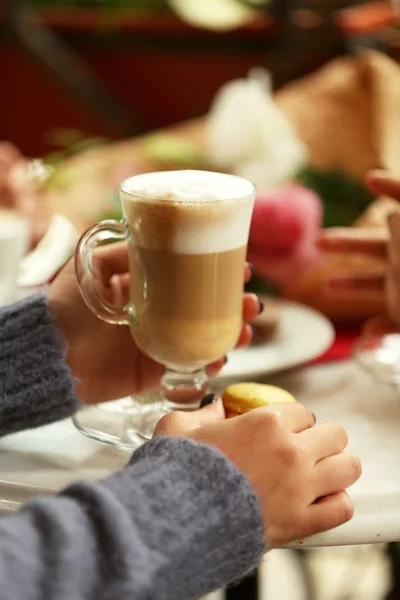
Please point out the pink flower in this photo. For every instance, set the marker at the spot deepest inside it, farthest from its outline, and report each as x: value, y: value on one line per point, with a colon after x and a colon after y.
x: 283, y: 232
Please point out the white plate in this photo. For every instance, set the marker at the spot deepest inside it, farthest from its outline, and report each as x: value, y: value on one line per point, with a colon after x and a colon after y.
x: 303, y: 335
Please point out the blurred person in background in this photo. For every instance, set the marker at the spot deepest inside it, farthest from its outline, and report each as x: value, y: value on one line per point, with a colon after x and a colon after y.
x: 375, y: 242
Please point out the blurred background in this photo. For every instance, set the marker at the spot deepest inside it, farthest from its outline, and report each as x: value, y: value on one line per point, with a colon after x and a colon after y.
x: 117, y: 68
x: 302, y: 97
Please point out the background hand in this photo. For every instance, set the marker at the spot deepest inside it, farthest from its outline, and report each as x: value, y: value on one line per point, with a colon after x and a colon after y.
x: 382, y: 244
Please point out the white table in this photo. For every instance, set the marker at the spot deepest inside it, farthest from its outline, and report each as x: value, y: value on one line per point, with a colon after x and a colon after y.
x: 45, y: 460
x: 370, y: 412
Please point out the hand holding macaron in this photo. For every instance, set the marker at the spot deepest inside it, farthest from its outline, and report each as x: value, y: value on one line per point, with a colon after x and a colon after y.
x: 298, y: 469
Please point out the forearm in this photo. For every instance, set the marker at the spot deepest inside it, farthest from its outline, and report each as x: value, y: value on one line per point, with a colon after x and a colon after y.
x: 176, y: 523
x: 35, y: 384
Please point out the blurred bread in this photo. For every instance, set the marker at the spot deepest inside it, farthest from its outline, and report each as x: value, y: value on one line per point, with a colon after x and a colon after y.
x: 332, y: 111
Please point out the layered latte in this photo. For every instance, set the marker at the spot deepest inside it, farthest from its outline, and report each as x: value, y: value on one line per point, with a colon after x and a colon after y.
x: 188, y: 234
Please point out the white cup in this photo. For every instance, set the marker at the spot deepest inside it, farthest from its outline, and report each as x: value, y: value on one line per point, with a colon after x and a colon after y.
x: 14, y: 242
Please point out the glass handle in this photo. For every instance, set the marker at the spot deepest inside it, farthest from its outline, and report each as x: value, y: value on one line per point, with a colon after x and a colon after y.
x: 100, y: 235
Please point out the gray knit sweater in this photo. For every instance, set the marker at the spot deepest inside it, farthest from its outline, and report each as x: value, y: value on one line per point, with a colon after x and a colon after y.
x: 176, y: 523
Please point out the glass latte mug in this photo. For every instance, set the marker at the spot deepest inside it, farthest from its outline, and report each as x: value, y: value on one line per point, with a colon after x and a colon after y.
x: 186, y: 235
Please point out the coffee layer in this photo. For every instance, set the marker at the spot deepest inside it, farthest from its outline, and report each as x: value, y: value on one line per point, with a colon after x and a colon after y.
x: 184, y: 344
x: 188, y: 306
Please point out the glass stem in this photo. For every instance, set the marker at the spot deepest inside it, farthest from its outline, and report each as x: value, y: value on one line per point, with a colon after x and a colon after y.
x: 184, y: 391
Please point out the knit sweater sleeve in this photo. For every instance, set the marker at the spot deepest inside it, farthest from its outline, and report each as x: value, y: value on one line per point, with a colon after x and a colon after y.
x: 35, y: 384
x: 178, y: 522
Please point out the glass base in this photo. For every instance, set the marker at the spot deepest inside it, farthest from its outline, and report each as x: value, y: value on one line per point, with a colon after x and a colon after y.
x: 380, y: 356
x: 125, y: 424
x: 140, y: 423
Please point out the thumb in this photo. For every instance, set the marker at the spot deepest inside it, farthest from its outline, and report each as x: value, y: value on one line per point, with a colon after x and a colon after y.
x: 212, y: 413
x: 179, y: 423
x: 209, y: 414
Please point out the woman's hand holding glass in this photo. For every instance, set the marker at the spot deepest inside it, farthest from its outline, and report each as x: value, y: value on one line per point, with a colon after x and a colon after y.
x: 104, y: 358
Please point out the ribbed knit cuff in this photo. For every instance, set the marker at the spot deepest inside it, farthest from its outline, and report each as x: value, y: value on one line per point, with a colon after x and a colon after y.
x: 36, y: 387
x: 204, y: 507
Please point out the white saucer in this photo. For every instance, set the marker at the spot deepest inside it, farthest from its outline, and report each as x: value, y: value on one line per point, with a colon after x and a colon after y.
x: 303, y: 334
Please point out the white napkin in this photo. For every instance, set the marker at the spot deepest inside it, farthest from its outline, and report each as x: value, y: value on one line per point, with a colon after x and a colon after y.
x: 52, y: 252
x: 63, y: 445
x: 59, y: 444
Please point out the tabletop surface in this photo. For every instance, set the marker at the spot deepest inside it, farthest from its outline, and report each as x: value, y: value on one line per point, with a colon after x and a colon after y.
x: 47, y: 459
x: 370, y: 412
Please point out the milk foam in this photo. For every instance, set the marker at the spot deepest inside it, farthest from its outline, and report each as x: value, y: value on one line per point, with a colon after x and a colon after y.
x: 230, y: 233
x: 189, y: 186
x: 216, y: 227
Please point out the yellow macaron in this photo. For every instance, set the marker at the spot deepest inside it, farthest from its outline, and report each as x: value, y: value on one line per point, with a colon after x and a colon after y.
x: 239, y: 398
